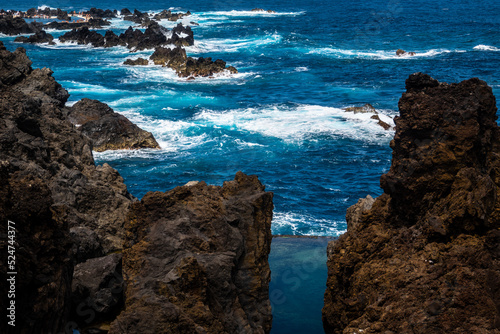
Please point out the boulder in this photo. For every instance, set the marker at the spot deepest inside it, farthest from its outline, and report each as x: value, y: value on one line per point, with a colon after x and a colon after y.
x: 425, y: 257
x: 401, y: 53
x: 108, y: 130
x: 199, y: 253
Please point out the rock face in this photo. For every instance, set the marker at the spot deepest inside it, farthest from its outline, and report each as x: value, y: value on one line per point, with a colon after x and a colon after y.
x: 199, y: 254
x: 186, y: 66
x: 58, y: 199
x: 425, y: 258
x: 108, y: 130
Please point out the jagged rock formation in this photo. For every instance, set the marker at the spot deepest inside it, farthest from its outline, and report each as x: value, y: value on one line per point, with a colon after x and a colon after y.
x: 199, y: 254
x: 136, y: 62
x: 425, y: 258
x: 369, y: 109
x: 16, y: 25
x: 186, y: 66
x: 154, y: 36
x: 108, y: 130
x: 263, y: 10
x: 144, y: 18
x: 91, y: 23
x: 400, y: 53
x: 49, y: 186
x: 39, y: 37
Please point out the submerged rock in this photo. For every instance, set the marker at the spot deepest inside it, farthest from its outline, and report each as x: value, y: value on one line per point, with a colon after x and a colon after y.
x: 199, y: 253
x: 369, y: 109
x: 400, y: 53
x: 108, y: 130
x: 425, y: 257
x: 263, y: 10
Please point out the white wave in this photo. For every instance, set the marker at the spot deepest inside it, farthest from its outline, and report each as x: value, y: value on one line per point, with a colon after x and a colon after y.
x: 296, y: 124
x: 233, y: 45
x: 252, y: 13
x: 74, y: 86
x: 482, y: 47
x: 301, y: 69
x: 300, y: 224
x: 68, y: 45
x: 378, y: 54
x: 43, y: 7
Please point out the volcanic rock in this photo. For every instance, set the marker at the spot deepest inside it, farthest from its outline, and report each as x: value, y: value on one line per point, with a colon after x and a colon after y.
x: 49, y: 184
x: 108, y: 130
x: 182, y: 36
x: 263, y: 10
x: 39, y: 37
x: 92, y: 23
x: 368, y: 108
x: 83, y: 36
x: 16, y: 25
x: 187, y: 66
x: 425, y: 257
x: 97, y: 290
x: 199, y: 253
x: 401, y: 53
x: 136, y: 62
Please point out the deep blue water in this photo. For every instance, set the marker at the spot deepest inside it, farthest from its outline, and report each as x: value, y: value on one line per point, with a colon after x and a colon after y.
x: 280, y: 117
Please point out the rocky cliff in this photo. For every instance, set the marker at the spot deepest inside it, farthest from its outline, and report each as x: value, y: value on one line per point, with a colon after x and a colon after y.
x: 424, y: 257
x: 69, y: 216
x: 195, y: 260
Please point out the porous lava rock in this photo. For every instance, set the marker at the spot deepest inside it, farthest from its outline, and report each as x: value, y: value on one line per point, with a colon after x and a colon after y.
x: 49, y: 185
x: 195, y: 260
x: 107, y: 129
x: 39, y: 37
x: 425, y: 257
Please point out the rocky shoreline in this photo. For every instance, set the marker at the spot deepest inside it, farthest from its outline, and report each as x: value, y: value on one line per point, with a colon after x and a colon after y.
x: 81, y: 233
x: 424, y: 256
x: 168, y: 44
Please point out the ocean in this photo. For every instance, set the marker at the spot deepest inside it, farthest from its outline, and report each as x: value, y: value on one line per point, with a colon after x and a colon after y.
x: 281, y: 117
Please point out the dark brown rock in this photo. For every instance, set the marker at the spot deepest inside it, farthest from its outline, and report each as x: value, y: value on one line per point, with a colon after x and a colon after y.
x: 367, y: 108
x: 48, y: 185
x: 425, y: 257
x: 136, y: 62
x: 108, y: 130
x: 188, y: 67
x: 199, y: 254
x: 97, y: 291
x: 16, y: 25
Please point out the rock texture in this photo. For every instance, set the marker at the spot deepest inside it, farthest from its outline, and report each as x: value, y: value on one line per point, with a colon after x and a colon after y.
x: 188, y: 67
x: 39, y: 37
x: 58, y: 199
x: 108, y: 130
x: 15, y: 26
x: 154, y: 36
x: 425, y: 258
x: 195, y: 260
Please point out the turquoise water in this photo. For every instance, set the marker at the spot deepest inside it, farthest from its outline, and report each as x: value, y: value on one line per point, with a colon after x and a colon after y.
x: 281, y: 116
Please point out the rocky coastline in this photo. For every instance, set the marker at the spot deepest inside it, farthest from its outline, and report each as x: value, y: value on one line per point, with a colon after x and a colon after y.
x: 424, y: 256
x: 168, y: 44
x: 81, y: 233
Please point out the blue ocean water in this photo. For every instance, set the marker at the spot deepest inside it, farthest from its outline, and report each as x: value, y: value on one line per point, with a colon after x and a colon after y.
x: 281, y: 116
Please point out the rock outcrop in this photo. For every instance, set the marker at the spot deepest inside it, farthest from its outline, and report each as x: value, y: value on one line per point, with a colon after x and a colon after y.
x: 199, y: 254
x: 154, y: 36
x: 53, y: 192
x: 108, y: 130
x: 39, y: 37
x: 91, y: 23
x: 189, y: 67
x: 425, y: 258
x: 400, y: 53
x: 136, y: 62
x: 16, y: 25
x: 369, y: 109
